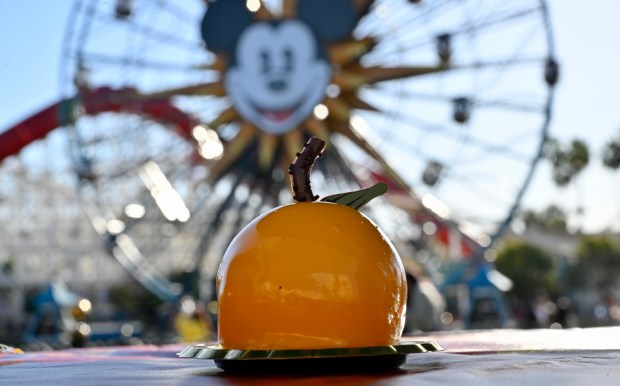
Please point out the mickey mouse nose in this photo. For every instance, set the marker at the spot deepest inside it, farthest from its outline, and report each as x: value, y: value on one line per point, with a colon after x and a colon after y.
x: 277, y: 85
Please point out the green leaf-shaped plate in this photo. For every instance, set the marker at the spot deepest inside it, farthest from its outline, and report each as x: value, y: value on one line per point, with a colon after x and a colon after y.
x: 356, y: 359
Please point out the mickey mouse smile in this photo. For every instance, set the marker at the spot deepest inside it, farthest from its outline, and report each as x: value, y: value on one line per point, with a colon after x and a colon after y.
x: 278, y: 116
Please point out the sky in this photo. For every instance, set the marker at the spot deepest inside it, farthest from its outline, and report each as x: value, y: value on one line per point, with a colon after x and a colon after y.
x: 586, y: 105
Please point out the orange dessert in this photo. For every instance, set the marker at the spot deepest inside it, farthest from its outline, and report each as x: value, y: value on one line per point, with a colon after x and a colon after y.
x: 310, y: 275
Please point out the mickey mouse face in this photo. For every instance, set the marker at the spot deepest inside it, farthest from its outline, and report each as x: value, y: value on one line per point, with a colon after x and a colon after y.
x: 277, y: 70
x: 277, y: 78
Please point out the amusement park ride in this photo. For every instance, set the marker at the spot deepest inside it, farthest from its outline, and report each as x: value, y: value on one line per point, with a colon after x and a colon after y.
x: 182, y: 117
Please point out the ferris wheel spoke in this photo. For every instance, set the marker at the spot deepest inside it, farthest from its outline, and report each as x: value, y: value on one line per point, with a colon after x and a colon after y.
x: 202, y: 89
x: 477, y: 103
x: 89, y: 58
x: 344, y: 170
x: 498, y: 63
x: 487, y: 192
x: 212, y: 226
x: 481, y: 153
x: 124, y: 248
x: 244, y: 210
x: 503, y: 21
x: 430, y: 128
x: 177, y: 12
x: 352, y: 134
x: 130, y: 257
x: 509, y: 105
x: 149, y: 33
x: 398, y: 20
x: 375, y: 74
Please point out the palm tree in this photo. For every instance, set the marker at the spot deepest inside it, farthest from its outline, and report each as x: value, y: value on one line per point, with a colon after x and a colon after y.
x: 568, y: 161
x: 611, y: 160
x: 611, y: 153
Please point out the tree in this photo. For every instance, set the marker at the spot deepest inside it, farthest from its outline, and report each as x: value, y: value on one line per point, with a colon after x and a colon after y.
x: 553, y: 218
x: 567, y: 160
x: 611, y: 153
x: 598, y: 263
x: 8, y: 267
x: 529, y: 267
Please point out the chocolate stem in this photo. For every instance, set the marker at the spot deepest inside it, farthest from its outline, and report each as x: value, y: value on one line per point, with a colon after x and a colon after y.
x: 301, y: 167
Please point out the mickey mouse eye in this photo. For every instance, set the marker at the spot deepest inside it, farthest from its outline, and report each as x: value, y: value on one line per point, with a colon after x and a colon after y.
x: 288, y: 59
x: 265, y: 59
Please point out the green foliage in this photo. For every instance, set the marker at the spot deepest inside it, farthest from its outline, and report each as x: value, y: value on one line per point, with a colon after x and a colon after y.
x: 567, y: 160
x: 611, y: 153
x: 553, y: 218
x: 598, y: 263
x: 8, y: 267
x: 529, y: 267
x: 358, y: 198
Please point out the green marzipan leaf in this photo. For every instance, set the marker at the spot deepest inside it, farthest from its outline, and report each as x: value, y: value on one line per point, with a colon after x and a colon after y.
x: 358, y: 198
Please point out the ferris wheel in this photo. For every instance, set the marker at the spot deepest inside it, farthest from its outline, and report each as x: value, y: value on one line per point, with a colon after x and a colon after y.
x: 183, y: 116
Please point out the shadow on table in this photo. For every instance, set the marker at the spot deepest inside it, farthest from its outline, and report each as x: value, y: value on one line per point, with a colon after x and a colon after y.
x: 295, y: 376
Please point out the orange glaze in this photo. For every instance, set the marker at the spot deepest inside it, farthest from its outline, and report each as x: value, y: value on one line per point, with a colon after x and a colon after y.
x: 310, y: 275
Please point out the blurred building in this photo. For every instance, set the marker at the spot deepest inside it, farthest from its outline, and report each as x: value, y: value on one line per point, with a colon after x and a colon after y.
x: 44, y: 235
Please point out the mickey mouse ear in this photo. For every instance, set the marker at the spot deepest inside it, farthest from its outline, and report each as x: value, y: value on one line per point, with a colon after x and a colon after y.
x: 223, y: 23
x: 330, y: 19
